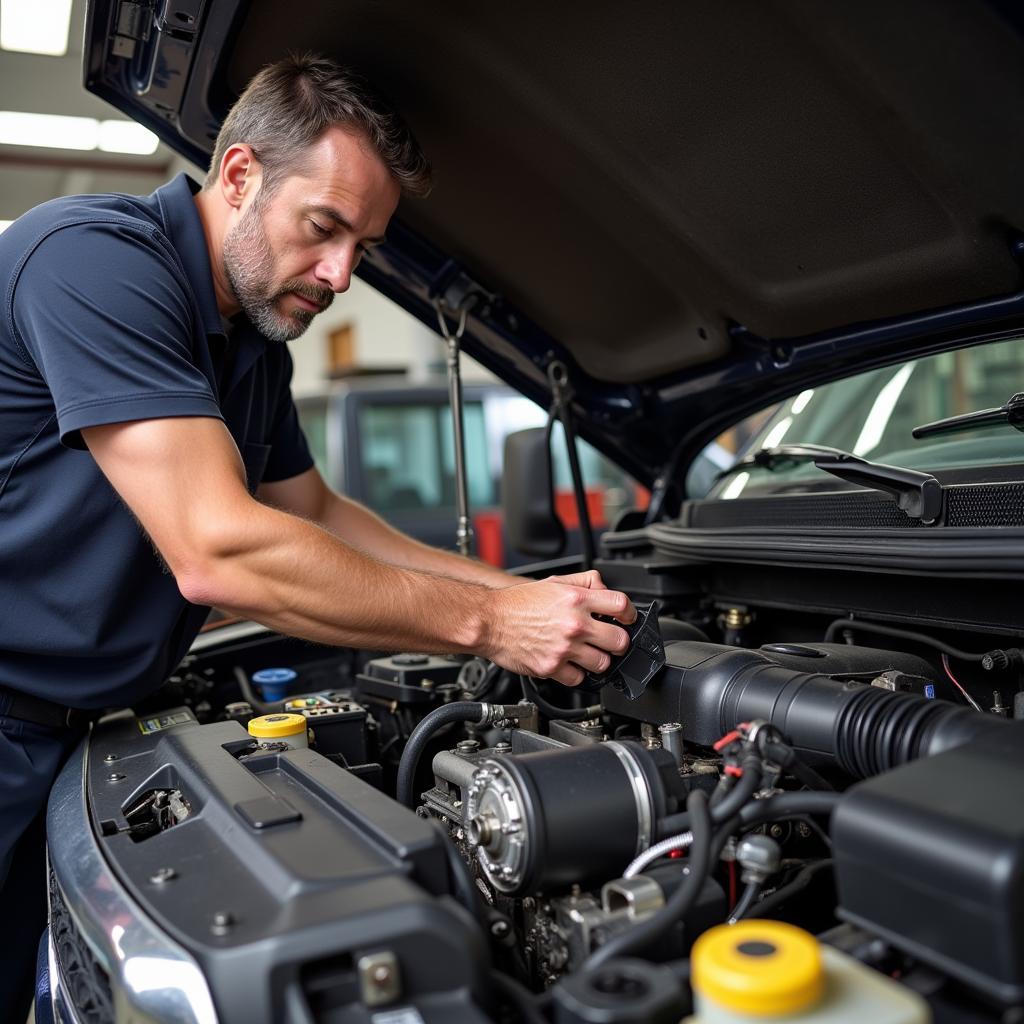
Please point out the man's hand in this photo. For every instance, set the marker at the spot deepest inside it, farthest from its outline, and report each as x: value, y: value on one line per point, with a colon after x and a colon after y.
x: 547, y: 628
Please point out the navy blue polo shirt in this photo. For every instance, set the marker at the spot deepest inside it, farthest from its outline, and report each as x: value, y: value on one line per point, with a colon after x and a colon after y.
x: 109, y: 315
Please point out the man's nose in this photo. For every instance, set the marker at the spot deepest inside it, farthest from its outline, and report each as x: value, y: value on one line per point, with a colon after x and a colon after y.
x: 335, y: 270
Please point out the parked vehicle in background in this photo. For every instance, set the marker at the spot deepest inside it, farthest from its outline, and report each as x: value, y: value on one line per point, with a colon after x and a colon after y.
x: 387, y: 442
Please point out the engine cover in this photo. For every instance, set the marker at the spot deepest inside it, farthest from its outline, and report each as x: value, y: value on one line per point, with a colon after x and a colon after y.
x: 288, y: 880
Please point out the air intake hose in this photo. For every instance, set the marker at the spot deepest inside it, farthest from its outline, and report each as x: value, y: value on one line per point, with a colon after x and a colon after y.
x: 863, y: 729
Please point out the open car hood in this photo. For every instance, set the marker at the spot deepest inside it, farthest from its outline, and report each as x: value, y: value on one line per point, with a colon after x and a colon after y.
x: 698, y: 207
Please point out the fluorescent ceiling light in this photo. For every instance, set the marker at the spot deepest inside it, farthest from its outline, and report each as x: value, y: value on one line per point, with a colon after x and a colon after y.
x: 35, y: 26
x: 54, y: 131
x: 777, y: 433
x: 126, y: 137
x: 4, y: 225
x: 57, y: 131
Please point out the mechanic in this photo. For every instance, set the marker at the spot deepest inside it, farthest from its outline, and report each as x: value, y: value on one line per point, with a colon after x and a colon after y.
x: 152, y: 465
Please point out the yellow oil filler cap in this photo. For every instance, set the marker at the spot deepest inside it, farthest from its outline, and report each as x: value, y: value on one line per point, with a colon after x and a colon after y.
x: 761, y: 968
x: 277, y: 727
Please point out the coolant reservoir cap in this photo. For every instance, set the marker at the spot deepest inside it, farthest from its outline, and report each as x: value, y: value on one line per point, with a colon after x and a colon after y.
x: 761, y: 968
x: 274, y: 676
x: 276, y: 727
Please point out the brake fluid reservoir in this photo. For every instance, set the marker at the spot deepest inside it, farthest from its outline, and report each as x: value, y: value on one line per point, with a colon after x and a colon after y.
x: 756, y: 971
x: 280, y: 728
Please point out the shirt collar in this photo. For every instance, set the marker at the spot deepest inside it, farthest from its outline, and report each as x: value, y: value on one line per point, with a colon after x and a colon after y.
x: 185, y: 230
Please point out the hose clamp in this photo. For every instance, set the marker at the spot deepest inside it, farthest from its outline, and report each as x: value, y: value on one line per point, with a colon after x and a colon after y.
x: 641, y: 794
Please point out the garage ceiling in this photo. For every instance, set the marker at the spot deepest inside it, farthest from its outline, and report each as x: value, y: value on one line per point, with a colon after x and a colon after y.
x: 53, y: 85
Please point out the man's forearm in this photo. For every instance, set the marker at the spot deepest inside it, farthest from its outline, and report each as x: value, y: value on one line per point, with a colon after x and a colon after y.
x: 294, y: 577
x: 184, y: 481
x: 357, y: 525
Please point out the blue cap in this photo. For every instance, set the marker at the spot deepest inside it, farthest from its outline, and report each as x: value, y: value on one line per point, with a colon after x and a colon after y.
x: 274, y: 682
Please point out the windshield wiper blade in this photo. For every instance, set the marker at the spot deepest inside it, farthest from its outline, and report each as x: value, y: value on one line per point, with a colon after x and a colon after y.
x: 1012, y: 414
x: 917, y: 494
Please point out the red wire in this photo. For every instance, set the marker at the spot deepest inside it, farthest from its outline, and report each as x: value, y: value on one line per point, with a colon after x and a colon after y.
x: 970, y: 700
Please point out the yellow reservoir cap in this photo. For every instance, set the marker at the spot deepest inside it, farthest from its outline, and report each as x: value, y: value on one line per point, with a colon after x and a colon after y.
x: 762, y: 968
x: 276, y: 727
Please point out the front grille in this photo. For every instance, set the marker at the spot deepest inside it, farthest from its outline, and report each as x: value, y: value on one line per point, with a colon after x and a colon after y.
x: 83, y: 978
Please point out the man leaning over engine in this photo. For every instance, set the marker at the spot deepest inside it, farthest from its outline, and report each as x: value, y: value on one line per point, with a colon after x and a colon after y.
x: 152, y: 465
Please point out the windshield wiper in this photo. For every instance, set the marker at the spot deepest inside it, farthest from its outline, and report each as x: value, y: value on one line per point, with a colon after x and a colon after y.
x: 1012, y: 413
x: 917, y: 494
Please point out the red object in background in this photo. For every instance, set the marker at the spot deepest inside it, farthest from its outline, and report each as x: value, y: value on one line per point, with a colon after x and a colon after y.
x: 489, y: 533
x: 490, y: 546
x: 565, y: 508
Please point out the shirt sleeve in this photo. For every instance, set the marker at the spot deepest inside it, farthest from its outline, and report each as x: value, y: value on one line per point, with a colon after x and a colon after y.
x: 103, y: 311
x: 289, y: 452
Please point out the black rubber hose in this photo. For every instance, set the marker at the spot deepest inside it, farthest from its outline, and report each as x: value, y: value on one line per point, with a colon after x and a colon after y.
x: 858, y: 625
x: 745, y: 902
x: 802, y: 880
x: 460, y: 711
x: 749, y: 783
x: 523, y: 1001
x: 783, y: 805
x: 531, y: 693
x: 788, y: 805
x: 250, y: 694
x: 699, y: 862
x: 785, y: 757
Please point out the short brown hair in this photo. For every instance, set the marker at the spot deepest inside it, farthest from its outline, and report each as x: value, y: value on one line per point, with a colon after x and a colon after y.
x: 288, y: 105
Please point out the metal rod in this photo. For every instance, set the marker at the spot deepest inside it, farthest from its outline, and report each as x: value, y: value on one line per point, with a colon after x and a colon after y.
x: 463, y: 528
x: 558, y: 375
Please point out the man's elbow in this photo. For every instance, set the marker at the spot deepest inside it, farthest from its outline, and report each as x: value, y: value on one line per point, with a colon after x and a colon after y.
x: 200, y: 584
x: 210, y: 564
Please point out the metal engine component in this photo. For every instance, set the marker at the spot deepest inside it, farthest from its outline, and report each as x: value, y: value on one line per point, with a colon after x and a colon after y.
x: 759, y: 856
x: 564, y: 817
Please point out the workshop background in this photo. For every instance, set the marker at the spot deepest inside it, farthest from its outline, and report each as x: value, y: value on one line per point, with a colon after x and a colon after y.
x: 56, y: 139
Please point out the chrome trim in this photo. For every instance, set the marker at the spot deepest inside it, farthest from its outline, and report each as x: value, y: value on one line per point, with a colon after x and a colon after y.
x: 227, y: 634
x: 61, y: 1006
x: 152, y: 977
x: 641, y: 794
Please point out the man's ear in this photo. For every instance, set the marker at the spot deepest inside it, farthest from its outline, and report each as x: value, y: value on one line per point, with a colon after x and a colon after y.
x: 240, y: 174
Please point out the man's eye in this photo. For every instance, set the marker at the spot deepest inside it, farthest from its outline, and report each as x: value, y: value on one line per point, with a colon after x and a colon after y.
x: 319, y: 230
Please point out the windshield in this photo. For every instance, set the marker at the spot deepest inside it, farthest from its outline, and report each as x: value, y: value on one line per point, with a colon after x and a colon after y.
x: 872, y: 415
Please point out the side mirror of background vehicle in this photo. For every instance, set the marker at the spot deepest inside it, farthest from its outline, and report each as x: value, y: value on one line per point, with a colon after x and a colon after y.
x: 528, y: 495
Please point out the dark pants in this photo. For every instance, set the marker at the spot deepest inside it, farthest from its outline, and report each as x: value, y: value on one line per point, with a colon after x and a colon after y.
x: 30, y: 758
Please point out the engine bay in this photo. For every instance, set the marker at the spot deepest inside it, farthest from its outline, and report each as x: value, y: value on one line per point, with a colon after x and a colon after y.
x: 441, y: 837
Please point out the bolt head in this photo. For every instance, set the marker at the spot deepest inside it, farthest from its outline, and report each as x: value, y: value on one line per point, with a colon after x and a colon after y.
x: 115, y: 777
x: 110, y: 759
x: 222, y: 922
x: 381, y: 975
x: 162, y: 875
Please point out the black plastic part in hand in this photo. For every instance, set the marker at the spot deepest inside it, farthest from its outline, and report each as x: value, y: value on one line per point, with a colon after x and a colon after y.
x: 632, y: 671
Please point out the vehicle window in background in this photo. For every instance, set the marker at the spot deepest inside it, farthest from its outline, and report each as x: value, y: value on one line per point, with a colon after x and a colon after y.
x: 408, y: 457
x: 617, y: 490
x: 721, y: 453
x: 313, y: 417
x: 872, y: 415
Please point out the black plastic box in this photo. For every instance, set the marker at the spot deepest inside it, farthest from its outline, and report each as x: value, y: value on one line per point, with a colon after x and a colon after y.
x: 931, y: 857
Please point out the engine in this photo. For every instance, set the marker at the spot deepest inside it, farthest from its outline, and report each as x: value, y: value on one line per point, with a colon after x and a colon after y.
x: 563, y: 855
